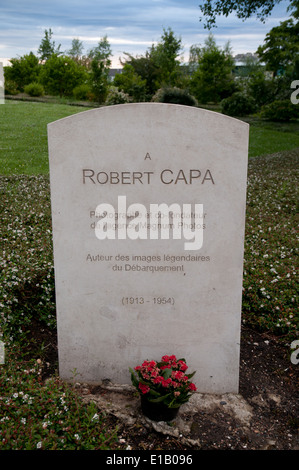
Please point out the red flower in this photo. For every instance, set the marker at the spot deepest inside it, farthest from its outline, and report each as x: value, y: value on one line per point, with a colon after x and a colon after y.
x: 166, y: 366
x: 166, y: 383
x: 170, y: 359
x: 154, y: 375
x: 183, y: 366
x: 155, y: 372
x: 152, y: 364
x: 178, y: 374
x: 158, y: 380
x: 175, y: 384
x: 144, y: 388
x: 165, y: 358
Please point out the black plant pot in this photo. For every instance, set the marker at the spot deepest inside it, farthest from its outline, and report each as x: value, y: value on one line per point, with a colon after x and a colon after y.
x: 158, y: 411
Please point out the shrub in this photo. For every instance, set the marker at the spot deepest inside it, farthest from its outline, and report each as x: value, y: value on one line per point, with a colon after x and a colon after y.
x: 238, y: 104
x: 280, y: 110
x: 34, y: 89
x: 262, y: 89
x: 23, y: 70
x: 131, y: 83
x: 213, y: 80
x: 115, y: 96
x: 10, y: 87
x: 175, y: 96
x: 82, y: 92
x: 61, y: 74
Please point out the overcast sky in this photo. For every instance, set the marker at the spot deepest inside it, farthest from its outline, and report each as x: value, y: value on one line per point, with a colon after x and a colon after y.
x: 131, y: 26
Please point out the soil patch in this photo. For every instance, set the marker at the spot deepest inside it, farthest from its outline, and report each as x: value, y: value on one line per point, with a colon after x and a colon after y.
x: 263, y: 416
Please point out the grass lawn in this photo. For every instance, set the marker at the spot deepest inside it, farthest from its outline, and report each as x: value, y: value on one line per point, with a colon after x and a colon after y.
x: 24, y: 146
x: 23, y: 135
x: 35, y: 414
x: 268, y: 137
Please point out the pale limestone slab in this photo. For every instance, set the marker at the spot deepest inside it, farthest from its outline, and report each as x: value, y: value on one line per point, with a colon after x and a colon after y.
x: 2, y: 101
x: 112, y: 315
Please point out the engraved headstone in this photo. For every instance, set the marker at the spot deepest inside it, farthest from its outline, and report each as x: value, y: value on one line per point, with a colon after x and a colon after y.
x: 148, y: 210
x: 2, y: 352
x: 1, y: 84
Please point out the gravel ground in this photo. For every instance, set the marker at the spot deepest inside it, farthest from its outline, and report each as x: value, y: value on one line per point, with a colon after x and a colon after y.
x: 263, y: 416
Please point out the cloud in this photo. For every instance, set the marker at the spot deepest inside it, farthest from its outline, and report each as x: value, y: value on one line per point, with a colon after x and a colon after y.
x: 130, y: 26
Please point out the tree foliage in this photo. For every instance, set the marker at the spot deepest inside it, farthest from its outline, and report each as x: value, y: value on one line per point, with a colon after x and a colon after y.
x: 23, y: 70
x: 212, y: 80
x: 262, y: 9
x: 47, y: 47
x: 145, y: 68
x: 131, y: 83
x: 281, y: 46
x: 61, y: 74
x: 76, y: 50
x: 165, y: 56
x: 243, y: 9
x: 160, y: 65
x: 100, y: 65
x: 159, y: 73
x: 102, y: 52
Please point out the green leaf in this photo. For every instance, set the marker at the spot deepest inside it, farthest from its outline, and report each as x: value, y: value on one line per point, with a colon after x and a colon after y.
x: 191, y: 375
x: 153, y: 392
x: 160, y: 399
x: 167, y: 373
x: 174, y: 404
x: 134, y: 380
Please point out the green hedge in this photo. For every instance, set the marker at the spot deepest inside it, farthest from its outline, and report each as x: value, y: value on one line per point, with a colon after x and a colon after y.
x: 280, y: 110
x: 238, y: 104
x: 174, y: 95
x: 34, y: 89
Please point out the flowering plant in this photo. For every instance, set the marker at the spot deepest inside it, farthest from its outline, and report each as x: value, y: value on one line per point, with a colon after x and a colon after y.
x: 164, y: 381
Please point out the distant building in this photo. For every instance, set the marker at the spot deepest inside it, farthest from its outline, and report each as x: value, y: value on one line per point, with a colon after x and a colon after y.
x: 244, y: 63
x: 5, y: 62
x: 113, y: 72
x: 245, y: 58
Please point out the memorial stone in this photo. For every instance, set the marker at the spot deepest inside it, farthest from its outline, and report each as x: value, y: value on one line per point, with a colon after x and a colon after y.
x: 148, y: 212
x: 1, y: 84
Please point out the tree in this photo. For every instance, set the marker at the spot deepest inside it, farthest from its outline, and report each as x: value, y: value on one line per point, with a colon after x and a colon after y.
x: 213, y: 79
x: 61, y: 74
x: 76, y: 50
x: 131, y: 83
x: 145, y: 68
x: 281, y: 46
x: 194, y: 57
x: 160, y: 65
x: 100, y: 65
x: 47, y: 47
x: 102, y: 51
x: 244, y: 9
x: 261, y: 88
x: 23, y: 70
x: 165, y: 56
x: 294, y: 8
